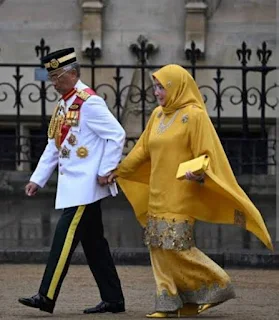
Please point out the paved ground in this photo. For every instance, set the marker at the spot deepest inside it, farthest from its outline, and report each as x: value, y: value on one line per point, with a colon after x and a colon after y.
x: 257, y: 294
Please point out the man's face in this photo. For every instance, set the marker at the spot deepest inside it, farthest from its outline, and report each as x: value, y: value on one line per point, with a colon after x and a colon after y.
x: 63, y: 80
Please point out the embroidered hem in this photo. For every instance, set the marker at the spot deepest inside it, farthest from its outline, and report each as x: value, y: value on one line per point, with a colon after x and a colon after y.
x: 213, y: 294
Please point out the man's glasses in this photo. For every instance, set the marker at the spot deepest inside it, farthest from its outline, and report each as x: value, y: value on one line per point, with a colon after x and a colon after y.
x: 56, y: 78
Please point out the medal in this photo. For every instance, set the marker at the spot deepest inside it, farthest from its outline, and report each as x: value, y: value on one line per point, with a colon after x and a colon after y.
x: 65, y: 152
x: 82, y: 152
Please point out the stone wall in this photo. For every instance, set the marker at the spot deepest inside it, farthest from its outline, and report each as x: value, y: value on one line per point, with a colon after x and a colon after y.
x: 24, y: 22
x: 228, y: 23
x: 61, y: 23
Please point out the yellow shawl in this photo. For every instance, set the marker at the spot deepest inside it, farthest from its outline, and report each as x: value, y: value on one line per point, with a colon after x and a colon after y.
x: 221, y: 199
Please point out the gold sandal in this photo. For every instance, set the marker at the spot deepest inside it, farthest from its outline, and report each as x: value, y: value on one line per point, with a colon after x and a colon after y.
x: 157, y: 315
x: 176, y: 314
x: 206, y: 306
x: 190, y: 310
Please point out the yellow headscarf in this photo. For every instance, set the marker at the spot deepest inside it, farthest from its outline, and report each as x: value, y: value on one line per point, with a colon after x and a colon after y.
x: 181, y: 88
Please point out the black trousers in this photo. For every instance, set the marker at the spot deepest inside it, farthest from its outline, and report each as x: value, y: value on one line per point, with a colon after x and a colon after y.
x: 84, y: 224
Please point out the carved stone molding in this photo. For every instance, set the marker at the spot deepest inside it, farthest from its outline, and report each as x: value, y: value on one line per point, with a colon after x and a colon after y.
x: 212, y: 7
x: 195, y: 25
x: 91, y: 23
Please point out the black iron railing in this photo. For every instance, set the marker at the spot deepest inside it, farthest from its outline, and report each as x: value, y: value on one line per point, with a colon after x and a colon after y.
x: 129, y: 93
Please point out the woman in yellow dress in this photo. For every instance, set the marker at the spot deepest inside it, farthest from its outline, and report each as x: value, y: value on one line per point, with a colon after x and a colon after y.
x: 188, y: 282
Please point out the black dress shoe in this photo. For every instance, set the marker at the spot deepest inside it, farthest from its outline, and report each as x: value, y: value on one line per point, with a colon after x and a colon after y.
x: 38, y: 301
x: 103, y: 306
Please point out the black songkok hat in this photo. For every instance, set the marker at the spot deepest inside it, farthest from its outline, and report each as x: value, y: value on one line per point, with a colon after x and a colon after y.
x: 59, y: 59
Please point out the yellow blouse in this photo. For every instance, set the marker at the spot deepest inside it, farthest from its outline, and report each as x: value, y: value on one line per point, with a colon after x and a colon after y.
x: 147, y: 175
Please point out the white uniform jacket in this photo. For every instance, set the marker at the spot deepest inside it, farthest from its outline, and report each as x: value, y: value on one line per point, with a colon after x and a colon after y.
x: 102, y: 137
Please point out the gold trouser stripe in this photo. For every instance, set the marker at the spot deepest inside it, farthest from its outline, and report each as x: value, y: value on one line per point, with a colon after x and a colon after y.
x: 65, y: 252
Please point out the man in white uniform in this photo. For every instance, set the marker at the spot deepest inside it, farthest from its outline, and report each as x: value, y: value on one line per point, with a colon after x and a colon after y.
x: 85, y: 141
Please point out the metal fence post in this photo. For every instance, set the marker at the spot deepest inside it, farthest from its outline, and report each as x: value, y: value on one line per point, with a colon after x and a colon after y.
x: 41, y: 51
x: 93, y: 53
x: 193, y: 55
x: 143, y: 49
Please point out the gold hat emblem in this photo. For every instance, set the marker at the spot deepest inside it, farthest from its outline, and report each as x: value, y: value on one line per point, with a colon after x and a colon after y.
x: 82, y: 152
x: 54, y: 63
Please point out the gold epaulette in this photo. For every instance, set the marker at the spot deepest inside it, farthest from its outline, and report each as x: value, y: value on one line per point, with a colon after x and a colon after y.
x: 83, y: 95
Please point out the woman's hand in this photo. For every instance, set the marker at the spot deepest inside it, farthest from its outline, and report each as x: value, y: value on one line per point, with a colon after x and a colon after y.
x: 189, y: 175
x: 111, y: 178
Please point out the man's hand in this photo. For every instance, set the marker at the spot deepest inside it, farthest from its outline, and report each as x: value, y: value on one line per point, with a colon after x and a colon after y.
x: 189, y: 175
x: 102, y: 181
x: 107, y: 179
x: 31, y: 189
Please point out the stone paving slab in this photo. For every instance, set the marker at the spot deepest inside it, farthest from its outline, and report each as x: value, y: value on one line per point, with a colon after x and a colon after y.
x: 257, y: 294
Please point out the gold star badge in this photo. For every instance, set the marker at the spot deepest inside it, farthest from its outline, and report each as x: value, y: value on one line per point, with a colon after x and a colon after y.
x: 82, y: 152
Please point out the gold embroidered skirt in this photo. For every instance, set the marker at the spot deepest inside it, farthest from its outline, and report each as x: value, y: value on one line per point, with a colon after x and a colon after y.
x: 183, y: 274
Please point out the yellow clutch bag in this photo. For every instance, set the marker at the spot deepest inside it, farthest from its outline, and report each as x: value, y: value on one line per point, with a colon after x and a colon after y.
x: 196, y: 166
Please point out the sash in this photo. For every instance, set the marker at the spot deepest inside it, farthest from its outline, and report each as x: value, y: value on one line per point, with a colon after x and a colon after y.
x: 73, y: 114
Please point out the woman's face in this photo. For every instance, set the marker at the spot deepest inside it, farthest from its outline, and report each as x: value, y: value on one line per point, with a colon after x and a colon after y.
x: 160, y: 92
